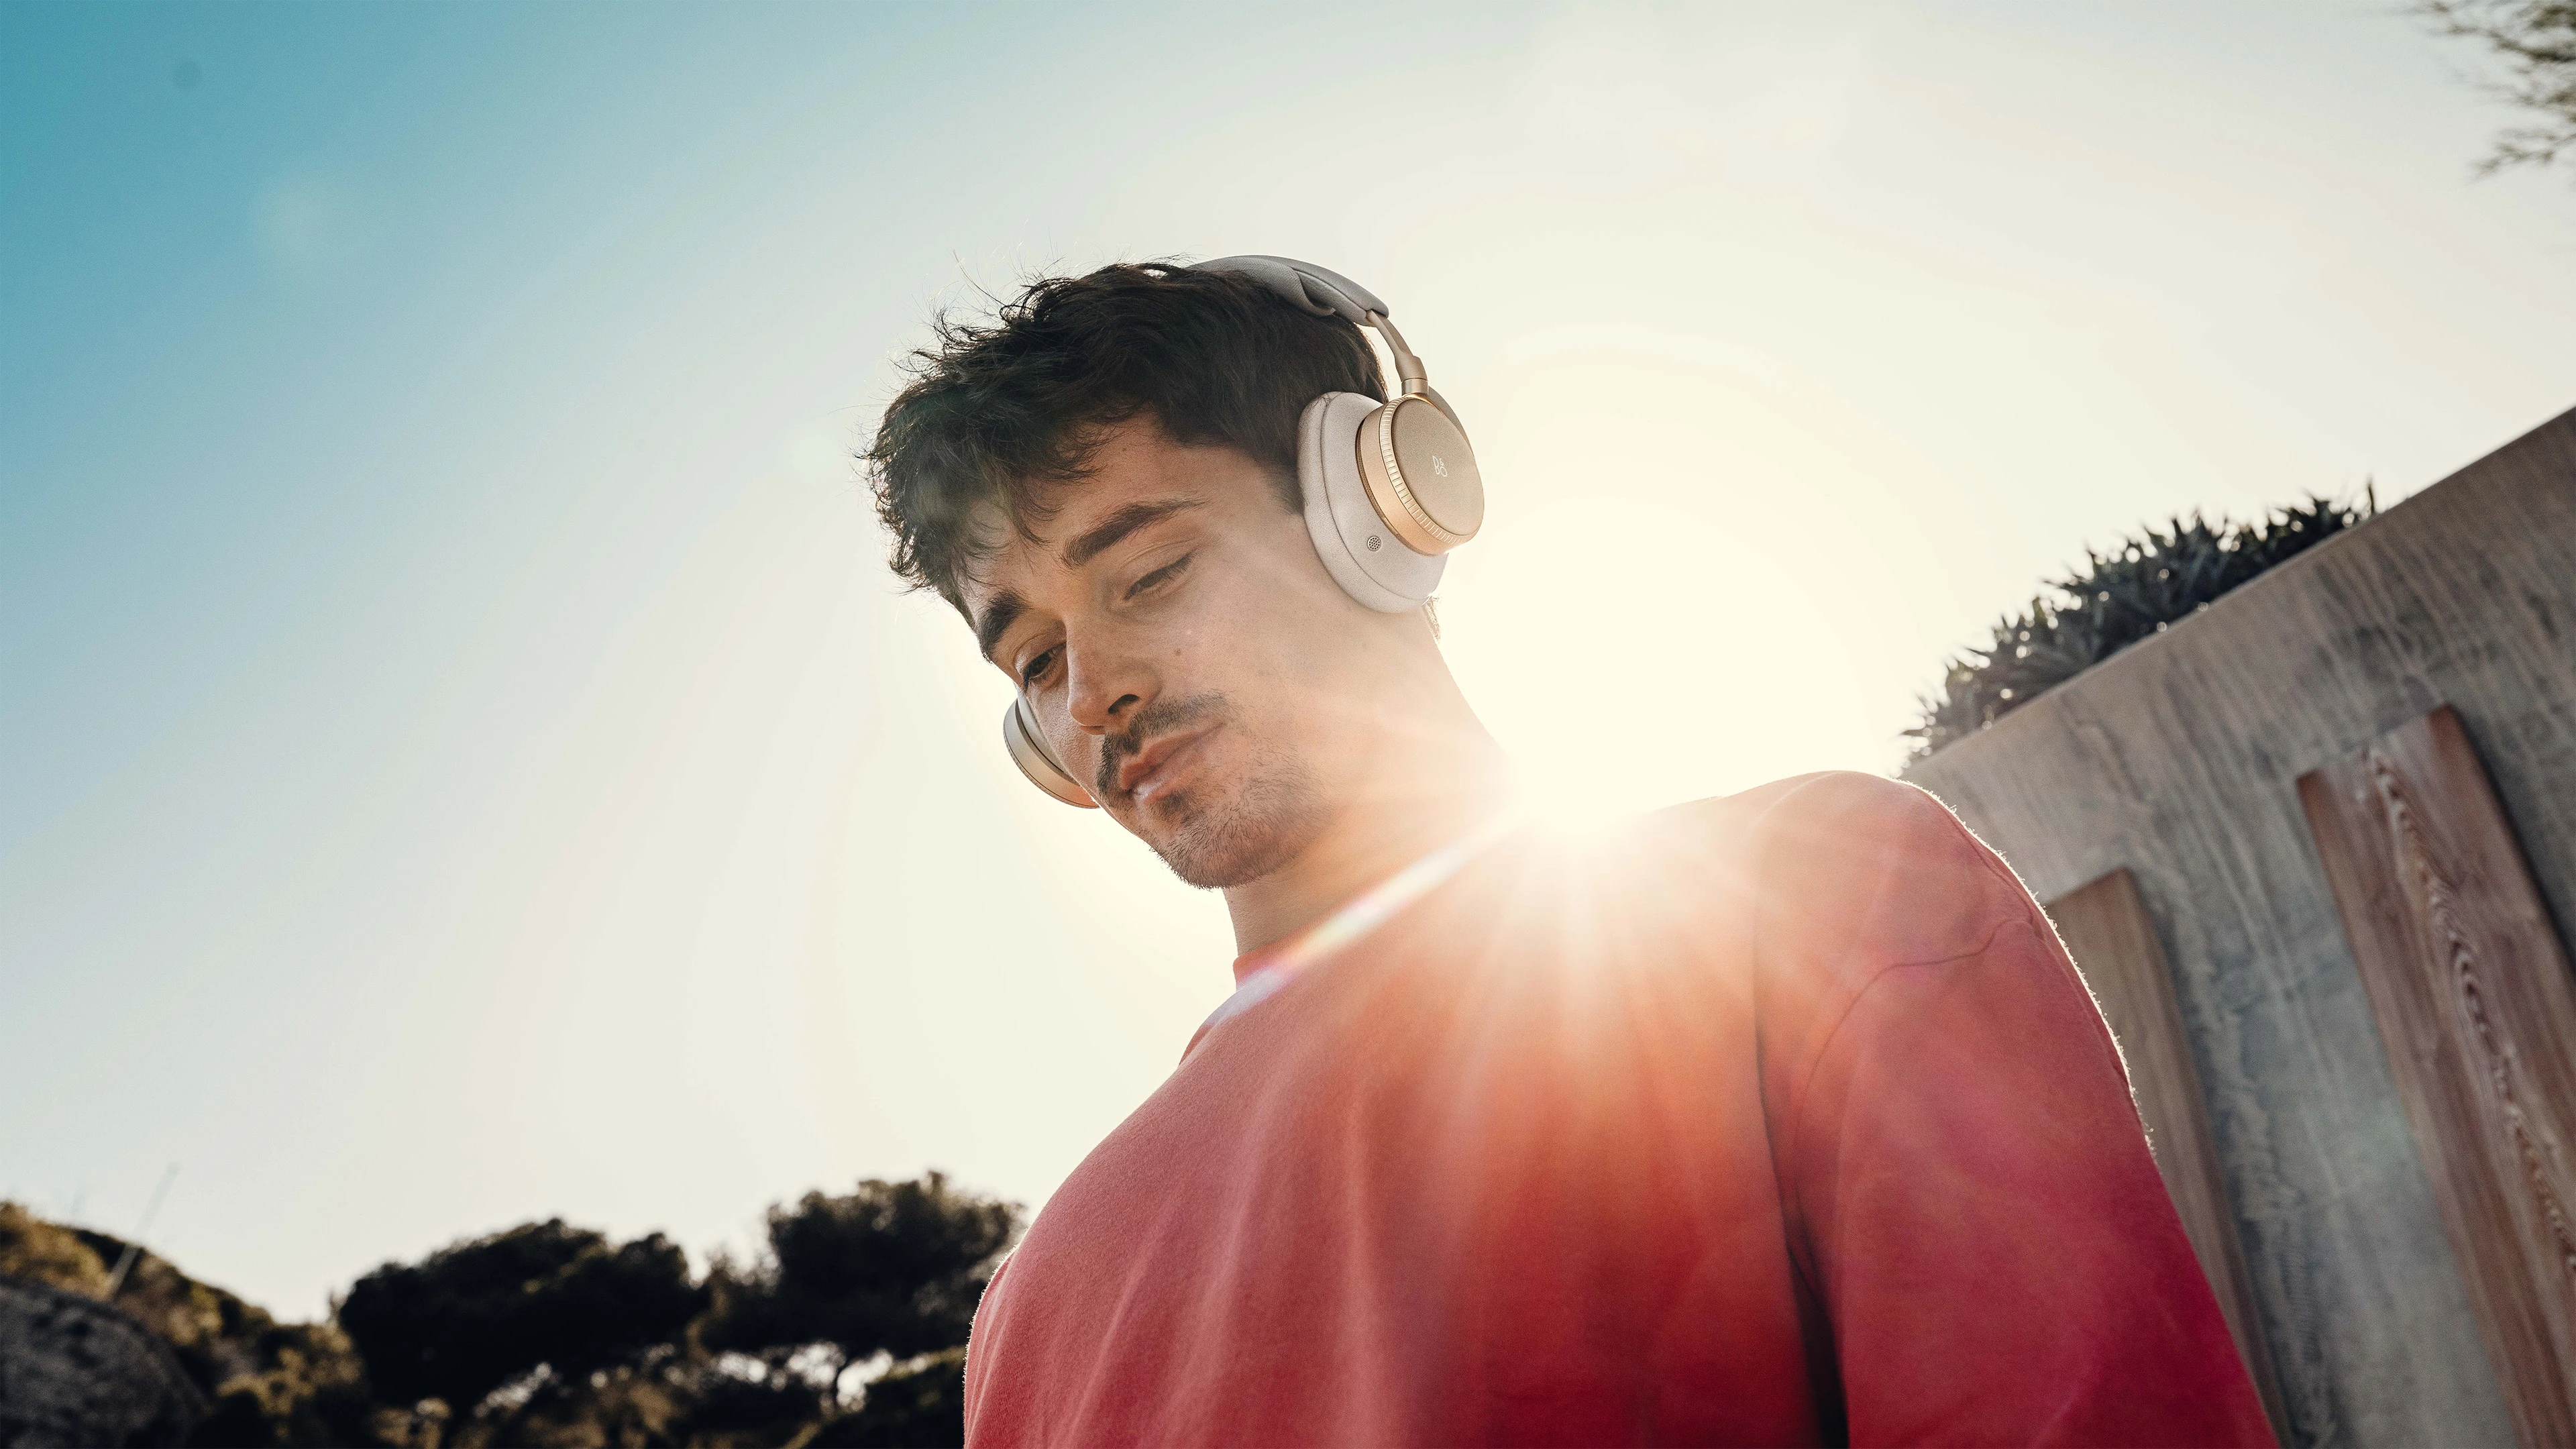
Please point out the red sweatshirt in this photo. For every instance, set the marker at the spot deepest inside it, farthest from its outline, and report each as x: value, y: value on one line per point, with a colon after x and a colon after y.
x: 1778, y: 1119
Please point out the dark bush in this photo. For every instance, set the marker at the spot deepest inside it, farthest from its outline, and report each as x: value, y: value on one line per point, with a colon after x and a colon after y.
x: 917, y: 1404
x: 2131, y: 593
x: 468, y: 1319
x: 890, y: 1268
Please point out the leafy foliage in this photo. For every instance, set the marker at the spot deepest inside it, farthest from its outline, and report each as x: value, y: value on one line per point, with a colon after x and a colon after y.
x: 46, y: 1252
x: 268, y: 1383
x: 469, y: 1318
x: 299, y: 1384
x: 2537, y: 41
x: 920, y: 1403
x: 894, y: 1267
x: 552, y: 1335
x: 2133, y: 592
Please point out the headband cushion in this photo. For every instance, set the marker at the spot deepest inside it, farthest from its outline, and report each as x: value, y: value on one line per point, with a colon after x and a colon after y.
x: 1361, y: 553
x: 1319, y: 290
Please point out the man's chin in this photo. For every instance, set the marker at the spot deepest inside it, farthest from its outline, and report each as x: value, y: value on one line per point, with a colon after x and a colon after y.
x: 1220, y: 843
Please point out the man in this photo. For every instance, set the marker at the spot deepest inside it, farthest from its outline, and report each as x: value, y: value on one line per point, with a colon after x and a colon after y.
x: 1775, y: 1119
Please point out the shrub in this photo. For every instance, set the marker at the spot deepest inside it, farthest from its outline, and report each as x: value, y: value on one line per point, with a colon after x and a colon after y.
x: 2131, y: 593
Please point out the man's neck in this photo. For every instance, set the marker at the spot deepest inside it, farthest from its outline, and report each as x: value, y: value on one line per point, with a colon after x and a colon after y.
x: 1369, y: 841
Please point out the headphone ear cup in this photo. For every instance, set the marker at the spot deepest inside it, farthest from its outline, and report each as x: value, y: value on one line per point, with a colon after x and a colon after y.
x: 1369, y: 559
x: 1421, y: 474
x: 1037, y: 760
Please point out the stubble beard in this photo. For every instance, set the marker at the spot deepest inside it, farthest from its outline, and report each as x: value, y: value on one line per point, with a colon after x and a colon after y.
x: 1245, y: 833
x: 1233, y: 832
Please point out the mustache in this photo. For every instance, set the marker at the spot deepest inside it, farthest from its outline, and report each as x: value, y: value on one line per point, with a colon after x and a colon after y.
x: 1159, y: 718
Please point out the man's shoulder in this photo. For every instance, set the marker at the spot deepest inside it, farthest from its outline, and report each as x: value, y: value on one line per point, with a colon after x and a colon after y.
x: 1817, y: 809
x: 1854, y: 863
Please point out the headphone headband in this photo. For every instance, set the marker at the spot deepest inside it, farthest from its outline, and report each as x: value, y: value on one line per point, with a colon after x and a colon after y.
x: 1308, y: 287
x: 1327, y: 293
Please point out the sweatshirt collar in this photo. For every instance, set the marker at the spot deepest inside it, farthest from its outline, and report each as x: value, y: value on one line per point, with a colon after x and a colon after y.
x: 1260, y: 974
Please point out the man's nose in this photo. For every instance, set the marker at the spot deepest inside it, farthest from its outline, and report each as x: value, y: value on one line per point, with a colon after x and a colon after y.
x: 1105, y: 687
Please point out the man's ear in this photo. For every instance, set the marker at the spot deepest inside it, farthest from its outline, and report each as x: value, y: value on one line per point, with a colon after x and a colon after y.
x: 1284, y: 487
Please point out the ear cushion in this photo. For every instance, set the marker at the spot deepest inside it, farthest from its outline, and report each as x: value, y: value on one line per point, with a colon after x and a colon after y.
x: 1037, y: 760
x: 1361, y: 553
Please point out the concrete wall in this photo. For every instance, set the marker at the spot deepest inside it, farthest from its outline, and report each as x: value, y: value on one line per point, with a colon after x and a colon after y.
x: 2178, y: 758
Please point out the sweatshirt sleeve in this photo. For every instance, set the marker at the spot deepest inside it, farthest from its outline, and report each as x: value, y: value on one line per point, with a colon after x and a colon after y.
x: 1975, y: 1218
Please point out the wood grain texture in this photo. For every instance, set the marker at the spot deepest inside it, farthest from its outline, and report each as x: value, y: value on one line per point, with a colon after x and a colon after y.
x: 2470, y: 987
x: 2178, y: 759
x: 2106, y: 929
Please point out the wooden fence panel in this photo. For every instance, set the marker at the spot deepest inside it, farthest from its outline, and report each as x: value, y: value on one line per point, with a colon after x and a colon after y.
x: 2470, y: 987
x: 2107, y: 930
x: 2178, y: 759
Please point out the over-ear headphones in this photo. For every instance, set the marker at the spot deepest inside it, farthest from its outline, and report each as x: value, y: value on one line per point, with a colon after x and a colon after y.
x: 1389, y: 488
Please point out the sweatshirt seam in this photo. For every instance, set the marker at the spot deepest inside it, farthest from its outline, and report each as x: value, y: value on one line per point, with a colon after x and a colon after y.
x: 1762, y: 873
x: 1824, y: 1048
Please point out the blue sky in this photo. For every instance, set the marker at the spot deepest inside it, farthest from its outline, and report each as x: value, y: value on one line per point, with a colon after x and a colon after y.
x: 461, y: 759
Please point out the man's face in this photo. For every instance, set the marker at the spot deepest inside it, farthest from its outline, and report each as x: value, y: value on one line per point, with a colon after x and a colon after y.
x: 1186, y: 654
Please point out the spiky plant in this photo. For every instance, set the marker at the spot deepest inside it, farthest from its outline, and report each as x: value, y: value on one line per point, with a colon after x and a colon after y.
x: 2136, y: 590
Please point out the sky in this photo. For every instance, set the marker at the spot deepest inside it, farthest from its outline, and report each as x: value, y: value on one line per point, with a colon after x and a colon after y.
x: 463, y: 760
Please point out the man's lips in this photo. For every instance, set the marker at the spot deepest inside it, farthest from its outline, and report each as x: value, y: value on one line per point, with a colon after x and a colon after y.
x: 1155, y: 767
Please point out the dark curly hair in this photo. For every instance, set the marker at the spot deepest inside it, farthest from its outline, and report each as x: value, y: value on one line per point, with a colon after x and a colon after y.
x: 1000, y: 412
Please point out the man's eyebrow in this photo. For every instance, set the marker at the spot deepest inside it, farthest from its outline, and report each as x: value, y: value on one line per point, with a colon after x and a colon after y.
x: 1120, y: 524
x: 1005, y: 608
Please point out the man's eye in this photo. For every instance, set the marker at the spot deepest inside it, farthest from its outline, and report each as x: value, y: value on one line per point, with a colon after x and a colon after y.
x: 1036, y: 668
x: 1159, y: 577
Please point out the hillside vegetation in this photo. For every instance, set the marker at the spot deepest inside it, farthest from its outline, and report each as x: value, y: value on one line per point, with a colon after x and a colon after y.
x: 847, y: 1329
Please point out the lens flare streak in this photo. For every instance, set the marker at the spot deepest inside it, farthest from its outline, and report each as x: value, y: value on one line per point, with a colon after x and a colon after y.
x: 1350, y: 922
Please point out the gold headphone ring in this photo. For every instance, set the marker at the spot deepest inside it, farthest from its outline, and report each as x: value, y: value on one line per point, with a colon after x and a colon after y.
x: 1433, y: 538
